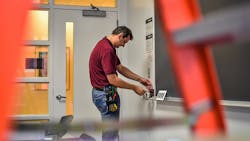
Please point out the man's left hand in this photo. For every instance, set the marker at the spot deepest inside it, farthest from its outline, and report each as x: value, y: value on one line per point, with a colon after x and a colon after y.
x: 147, y: 83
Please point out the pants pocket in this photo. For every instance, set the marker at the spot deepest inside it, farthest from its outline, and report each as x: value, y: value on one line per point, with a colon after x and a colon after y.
x: 100, y: 102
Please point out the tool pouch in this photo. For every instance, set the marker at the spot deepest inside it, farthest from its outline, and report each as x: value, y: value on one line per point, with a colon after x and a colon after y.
x: 111, y: 95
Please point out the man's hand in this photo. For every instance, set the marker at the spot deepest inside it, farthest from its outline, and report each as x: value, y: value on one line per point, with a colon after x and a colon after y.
x: 144, y: 81
x: 147, y: 84
x: 139, y: 90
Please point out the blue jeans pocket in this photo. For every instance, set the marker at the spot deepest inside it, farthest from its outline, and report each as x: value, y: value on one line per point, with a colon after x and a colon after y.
x: 99, y: 99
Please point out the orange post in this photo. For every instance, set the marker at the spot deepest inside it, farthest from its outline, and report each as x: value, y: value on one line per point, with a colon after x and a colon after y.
x: 193, y: 66
x: 13, y: 15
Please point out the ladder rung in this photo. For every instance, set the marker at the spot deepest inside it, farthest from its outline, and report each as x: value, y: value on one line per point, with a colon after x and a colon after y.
x: 232, y: 24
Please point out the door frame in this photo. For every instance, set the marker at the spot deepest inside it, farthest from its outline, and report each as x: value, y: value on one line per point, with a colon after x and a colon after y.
x: 82, y: 43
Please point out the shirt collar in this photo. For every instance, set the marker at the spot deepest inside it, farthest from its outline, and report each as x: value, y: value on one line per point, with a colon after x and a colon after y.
x: 109, y: 42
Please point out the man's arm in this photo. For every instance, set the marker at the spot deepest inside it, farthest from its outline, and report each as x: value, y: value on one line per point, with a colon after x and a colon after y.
x: 118, y: 82
x: 127, y: 73
x: 131, y: 75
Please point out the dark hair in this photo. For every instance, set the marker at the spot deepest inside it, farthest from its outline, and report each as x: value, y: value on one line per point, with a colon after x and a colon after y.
x: 123, y: 29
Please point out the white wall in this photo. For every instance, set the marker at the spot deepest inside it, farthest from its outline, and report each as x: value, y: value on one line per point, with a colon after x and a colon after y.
x: 133, y: 55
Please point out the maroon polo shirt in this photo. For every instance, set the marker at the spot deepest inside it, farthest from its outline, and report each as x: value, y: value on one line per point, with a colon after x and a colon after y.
x: 103, y: 61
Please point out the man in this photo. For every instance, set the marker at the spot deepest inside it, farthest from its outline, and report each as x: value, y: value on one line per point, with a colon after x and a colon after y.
x: 103, y: 66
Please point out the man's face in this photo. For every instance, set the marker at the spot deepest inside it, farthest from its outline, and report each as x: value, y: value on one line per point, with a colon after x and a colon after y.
x: 123, y: 40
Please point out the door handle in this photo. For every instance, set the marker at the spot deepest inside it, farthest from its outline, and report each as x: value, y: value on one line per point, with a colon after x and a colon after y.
x: 59, y: 97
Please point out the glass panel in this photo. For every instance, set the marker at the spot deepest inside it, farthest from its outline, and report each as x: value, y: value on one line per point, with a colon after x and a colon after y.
x: 98, y: 3
x: 33, y: 98
x: 34, y: 62
x: 37, y: 25
x: 40, y: 1
x: 69, y: 66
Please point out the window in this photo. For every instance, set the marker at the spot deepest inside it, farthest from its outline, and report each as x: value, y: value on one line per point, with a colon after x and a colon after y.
x: 32, y: 97
x: 34, y: 62
x: 41, y: 1
x: 37, y: 25
x: 98, y: 3
x: 32, y: 86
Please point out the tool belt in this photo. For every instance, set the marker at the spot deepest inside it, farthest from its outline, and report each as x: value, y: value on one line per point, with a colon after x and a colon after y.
x: 112, y: 97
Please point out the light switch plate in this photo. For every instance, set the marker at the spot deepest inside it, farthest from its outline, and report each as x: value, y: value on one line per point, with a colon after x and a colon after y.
x: 161, y: 95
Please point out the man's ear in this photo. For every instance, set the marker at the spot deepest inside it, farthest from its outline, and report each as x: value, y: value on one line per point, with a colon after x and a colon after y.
x: 120, y: 35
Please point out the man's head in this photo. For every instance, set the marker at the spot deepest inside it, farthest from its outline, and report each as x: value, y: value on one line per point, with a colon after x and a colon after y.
x: 121, y: 35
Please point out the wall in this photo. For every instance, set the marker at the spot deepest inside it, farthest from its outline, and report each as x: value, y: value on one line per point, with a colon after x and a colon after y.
x: 231, y: 59
x: 232, y: 65
x: 164, y: 74
x: 134, y: 57
x: 137, y: 12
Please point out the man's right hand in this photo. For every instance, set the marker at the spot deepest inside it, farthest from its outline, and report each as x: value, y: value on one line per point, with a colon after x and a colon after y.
x: 139, y: 90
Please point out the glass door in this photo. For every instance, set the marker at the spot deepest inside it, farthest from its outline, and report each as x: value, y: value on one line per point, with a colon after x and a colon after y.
x: 33, y: 83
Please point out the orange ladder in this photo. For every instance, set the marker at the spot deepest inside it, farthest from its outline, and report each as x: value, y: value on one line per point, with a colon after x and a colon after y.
x: 13, y: 16
x: 194, y: 69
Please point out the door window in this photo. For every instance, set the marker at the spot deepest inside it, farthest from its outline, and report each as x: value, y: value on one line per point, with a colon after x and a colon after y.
x: 69, y: 67
x: 41, y: 1
x: 98, y: 3
x: 32, y: 98
x: 32, y: 83
x: 34, y: 62
x: 37, y: 25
